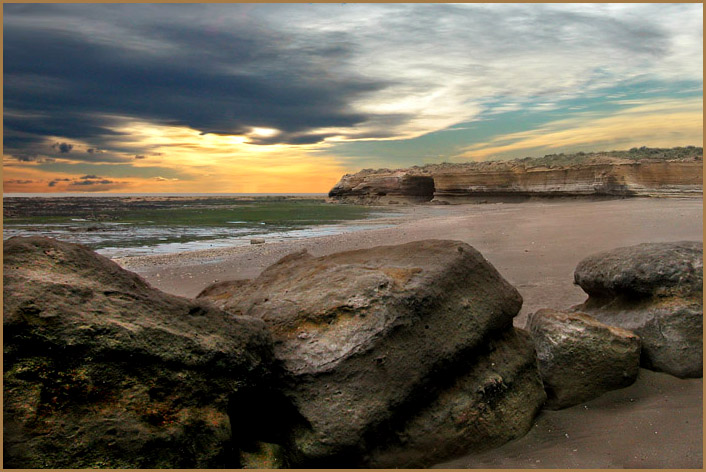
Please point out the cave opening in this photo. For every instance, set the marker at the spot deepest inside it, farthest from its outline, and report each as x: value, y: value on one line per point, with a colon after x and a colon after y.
x: 419, y: 186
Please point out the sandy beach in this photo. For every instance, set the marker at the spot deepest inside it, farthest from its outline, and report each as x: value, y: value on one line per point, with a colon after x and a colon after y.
x: 655, y: 423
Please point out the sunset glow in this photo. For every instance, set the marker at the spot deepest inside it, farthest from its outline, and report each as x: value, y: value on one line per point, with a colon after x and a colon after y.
x: 287, y: 98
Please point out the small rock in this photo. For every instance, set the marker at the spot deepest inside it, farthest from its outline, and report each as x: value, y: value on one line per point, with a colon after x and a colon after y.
x: 257, y: 241
x: 581, y: 358
x: 656, y: 291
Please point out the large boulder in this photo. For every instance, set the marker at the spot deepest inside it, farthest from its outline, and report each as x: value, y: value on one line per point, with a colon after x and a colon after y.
x: 656, y: 291
x: 362, y: 334
x: 581, y: 358
x: 491, y: 400
x: 102, y: 370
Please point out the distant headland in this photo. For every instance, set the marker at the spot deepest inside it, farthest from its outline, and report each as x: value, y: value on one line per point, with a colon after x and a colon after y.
x: 638, y: 172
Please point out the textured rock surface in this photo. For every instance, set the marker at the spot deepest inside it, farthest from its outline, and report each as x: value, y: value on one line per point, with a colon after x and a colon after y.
x: 656, y: 291
x: 581, y: 358
x: 362, y: 333
x: 263, y: 456
x: 102, y: 370
x: 493, y: 400
x: 624, y: 179
x: 384, y: 186
x: 618, y: 174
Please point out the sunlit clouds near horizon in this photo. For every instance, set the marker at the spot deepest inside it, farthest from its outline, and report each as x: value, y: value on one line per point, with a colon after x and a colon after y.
x: 278, y: 98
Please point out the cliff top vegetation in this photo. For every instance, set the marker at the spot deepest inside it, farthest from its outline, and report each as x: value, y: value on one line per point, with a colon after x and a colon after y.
x: 562, y: 160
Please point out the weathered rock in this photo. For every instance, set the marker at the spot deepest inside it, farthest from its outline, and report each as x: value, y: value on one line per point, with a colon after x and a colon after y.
x: 361, y: 333
x: 581, y: 358
x: 494, y: 399
x: 383, y: 185
x: 644, y: 270
x: 656, y: 291
x: 102, y: 370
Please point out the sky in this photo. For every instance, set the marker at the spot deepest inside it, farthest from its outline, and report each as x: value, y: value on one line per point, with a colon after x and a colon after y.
x: 286, y: 98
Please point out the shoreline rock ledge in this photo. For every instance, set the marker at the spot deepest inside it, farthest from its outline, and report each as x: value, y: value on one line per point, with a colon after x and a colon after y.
x: 656, y: 291
x: 639, y: 172
x: 394, y: 356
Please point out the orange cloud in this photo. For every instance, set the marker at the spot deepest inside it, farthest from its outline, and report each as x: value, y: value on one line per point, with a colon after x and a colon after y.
x: 208, y: 163
x: 230, y: 164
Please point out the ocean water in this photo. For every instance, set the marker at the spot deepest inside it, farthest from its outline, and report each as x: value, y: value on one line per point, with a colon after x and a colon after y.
x: 126, y: 225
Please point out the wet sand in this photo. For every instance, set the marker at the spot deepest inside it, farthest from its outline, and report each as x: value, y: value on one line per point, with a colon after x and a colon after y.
x: 656, y: 423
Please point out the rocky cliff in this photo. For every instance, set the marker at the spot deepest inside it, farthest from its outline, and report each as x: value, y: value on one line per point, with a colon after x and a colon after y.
x: 638, y: 172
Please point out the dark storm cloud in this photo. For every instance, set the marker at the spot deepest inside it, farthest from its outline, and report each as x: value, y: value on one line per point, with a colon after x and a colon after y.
x: 27, y: 157
x: 221, y: 81
x: 27, y: 129
x: 93, y: 182
x: 56, y: 181
x: 96, y: 185
x: 71, y: 70
x: 63, y: 148
x: 32, y: 151
x: 86, y: 182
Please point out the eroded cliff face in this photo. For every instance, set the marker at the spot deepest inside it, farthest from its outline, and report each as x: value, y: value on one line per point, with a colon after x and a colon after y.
x: 620, y: 180
x: 384, y: 186
x: 596, y: 176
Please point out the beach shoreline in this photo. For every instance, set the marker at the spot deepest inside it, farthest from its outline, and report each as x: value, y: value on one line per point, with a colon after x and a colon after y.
x: 655, y: 423
x: 535, y: 245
